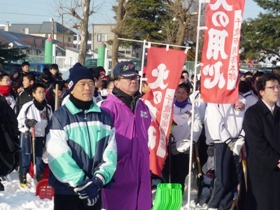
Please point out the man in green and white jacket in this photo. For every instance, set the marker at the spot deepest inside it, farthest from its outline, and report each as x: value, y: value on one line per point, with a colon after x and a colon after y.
x: 81, y: 146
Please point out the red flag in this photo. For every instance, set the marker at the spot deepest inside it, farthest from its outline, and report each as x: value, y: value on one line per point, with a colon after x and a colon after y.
x: 220, y: 56
x: 163, y: 74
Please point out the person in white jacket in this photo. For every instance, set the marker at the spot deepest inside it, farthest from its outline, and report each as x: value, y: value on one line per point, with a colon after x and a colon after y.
x: 35, y: 113
x: 181, y: 135
x: 224, y: 126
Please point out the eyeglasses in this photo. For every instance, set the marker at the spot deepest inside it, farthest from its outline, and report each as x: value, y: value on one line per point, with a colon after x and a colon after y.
x: 6, y: 80
x: 273, y: 87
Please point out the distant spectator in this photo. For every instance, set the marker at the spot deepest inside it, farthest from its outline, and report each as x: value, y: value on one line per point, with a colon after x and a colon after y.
x: 276, y: 70
x: 45, y: 79
x: 185, y: 74
x: 16, y: 82
x: 55, y: 72
x: 25, y: 67
x: 26, y: 95
x: 5, y: 89
x: 182, y: 80
x: 98, y: 82
x: 247, y: 76
x: 110, y: 86
x: 52, y: 94
x: 35, y: 113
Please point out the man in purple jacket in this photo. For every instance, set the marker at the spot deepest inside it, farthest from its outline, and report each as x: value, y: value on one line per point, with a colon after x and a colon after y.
x: 131, y: 187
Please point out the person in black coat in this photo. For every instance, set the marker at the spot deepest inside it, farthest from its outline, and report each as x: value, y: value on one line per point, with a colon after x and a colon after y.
x: 262, y: 129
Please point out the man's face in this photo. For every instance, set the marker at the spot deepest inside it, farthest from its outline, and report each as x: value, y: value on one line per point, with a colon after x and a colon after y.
x: 26, y: 82
x: 39, y: 94
x: 128, y: 85
x: 84, y: 90
x: 25, y: 68
x: 5, y: 81
x: 270, y: 94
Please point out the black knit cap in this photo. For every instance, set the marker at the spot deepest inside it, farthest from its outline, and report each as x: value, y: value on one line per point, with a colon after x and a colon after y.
x: 77, y: 73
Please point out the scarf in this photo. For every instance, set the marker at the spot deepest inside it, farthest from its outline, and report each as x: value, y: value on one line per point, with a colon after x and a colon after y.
x: 5, y: 90
x: 130, y: 101
x: 40, y: 105
x: 182, y: 104
x: 83, y: 105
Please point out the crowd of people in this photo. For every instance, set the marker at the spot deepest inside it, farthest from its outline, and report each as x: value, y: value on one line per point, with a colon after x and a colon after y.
x: 95, y: 132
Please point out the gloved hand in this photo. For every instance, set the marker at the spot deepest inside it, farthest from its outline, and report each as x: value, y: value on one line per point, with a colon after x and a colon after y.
x: 231, y: 146
x: 236, y: 145
x: 181, y: 146
x: 30, y: 123
x: 210, y: 150
x: 89, y: 189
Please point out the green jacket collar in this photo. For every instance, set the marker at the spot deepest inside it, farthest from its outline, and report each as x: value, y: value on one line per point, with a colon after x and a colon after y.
x: 74, y: 110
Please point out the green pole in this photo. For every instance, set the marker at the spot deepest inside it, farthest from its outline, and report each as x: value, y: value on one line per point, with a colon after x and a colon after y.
x: 101, y: 54
x: 48, y: 50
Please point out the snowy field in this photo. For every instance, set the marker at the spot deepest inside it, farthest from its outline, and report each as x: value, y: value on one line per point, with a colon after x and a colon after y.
x: 17, y: 198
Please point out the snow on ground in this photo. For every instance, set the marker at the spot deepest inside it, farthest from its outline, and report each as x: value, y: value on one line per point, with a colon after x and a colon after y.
x: 17, y: 198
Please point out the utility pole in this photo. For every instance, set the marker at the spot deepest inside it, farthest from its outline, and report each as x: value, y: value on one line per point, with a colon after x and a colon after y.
x: 52, y: 28
x: 62, y: 31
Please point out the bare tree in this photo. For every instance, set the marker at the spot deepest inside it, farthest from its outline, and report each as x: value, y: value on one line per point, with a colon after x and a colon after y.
x: 182, y: 13
x: 78, y: 12
x: 121, y: 16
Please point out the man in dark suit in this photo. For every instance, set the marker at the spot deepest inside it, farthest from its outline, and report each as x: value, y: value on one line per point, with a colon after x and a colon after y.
x: 262, y: 129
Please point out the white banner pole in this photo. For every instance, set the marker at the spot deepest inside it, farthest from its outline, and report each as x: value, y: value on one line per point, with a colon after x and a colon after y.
x: 194, y: 88
x: 142, y: 65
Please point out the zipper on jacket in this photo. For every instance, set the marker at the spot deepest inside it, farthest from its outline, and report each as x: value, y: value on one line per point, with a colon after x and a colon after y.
x: 85, y: 119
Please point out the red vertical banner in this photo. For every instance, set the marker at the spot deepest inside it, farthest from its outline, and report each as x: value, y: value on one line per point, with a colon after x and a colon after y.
x: 220, y: 56
x: 163, y: 72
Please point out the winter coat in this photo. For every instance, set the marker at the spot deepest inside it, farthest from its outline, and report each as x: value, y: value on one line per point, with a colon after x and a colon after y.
x: 183, y: 117
x: 131, y: 188
x: 262, y: 142
x: 29, y: 111
x: 223, y: 122
x: 24, y: 97
x: 251, y: 98
x: 83, y: 142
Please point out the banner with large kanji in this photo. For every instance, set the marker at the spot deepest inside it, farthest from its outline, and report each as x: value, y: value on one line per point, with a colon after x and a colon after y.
x: 220, y: 56
x: 163, y: 72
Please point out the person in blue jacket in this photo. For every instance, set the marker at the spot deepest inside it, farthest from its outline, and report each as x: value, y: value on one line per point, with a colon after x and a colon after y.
x: 81, y: 146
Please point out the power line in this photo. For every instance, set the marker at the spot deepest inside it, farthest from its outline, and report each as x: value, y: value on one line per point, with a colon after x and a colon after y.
x: 13, y: 13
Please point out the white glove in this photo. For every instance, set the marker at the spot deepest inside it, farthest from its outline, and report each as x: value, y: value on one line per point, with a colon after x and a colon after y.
x: 180, y: 146
x: 238, y: 145
x: 183, y: 146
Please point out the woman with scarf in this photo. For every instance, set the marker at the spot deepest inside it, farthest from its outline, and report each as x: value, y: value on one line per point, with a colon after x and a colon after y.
x: 180, y: 137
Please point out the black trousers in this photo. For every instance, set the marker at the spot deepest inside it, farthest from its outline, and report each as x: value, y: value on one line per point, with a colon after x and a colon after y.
x: 73, y: 202
x: 227, y: 175
x: 179, y: 169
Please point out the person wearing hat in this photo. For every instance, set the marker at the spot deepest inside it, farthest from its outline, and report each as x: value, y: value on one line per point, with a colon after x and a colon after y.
x: 81, y: 138
x: 131, y: 188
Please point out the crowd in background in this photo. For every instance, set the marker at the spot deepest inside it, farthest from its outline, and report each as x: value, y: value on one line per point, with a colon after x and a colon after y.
x: 225, y: 135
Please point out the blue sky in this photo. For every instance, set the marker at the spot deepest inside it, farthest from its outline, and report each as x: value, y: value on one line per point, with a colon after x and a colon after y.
x: 37, y: 11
